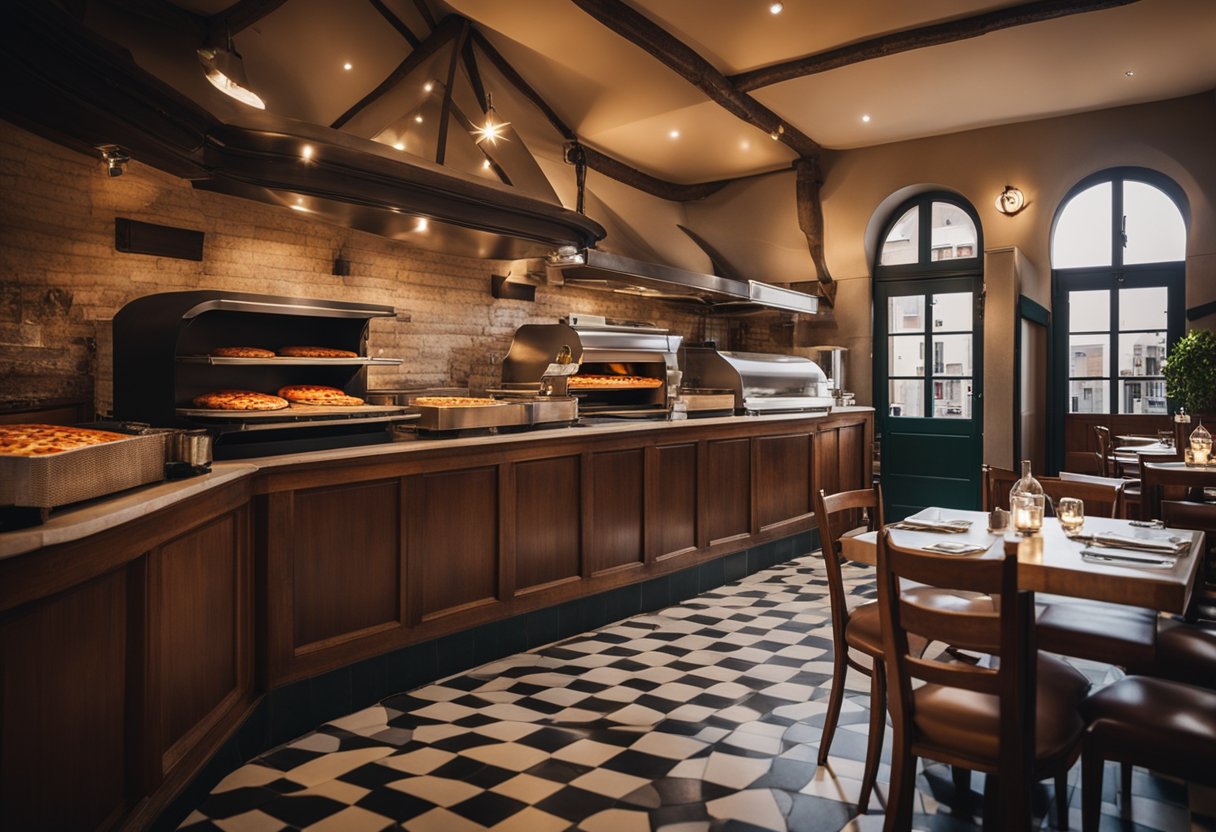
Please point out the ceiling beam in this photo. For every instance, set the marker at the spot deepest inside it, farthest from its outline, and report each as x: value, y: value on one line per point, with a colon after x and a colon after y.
x: 441, y: 147
x: 425, y: 12
x: 397, y: 23
x: 909, y: 39
x: 447, y: 29
x: 654, y: 186
x: 470, y: 68
x: 670, y: 50
x: 516, y: 80
x: 238, y: 17
x: 808, y: 179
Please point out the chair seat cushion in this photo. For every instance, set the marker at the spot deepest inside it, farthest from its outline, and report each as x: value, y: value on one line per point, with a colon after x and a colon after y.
x: 1167, y: 726
x: 1186, y: 653
x: 969, y: 722
x: 864, y: 630
x: 1112, y: 633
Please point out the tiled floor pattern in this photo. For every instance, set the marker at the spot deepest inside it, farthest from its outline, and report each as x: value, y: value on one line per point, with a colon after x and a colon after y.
x: 703, y: 717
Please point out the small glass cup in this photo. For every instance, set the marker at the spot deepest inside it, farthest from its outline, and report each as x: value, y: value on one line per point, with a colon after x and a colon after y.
x: 1070, y: 511
x: 1026, y: 513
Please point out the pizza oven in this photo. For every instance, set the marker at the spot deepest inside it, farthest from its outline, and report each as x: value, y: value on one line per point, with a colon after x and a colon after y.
x: 625, y: 369
x: 162, y: 361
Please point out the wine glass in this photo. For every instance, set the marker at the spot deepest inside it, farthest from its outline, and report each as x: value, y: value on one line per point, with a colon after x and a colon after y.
x: 1070, y: 511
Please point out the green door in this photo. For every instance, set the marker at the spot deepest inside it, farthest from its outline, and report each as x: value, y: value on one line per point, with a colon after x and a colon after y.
x: 928, y: 360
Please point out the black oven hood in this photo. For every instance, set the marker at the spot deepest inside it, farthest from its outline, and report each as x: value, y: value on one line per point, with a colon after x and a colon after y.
x: 70, y: 84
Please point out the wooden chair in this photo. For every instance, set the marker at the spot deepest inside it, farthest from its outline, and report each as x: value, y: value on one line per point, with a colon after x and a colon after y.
x: 974, y: 717
x: 1102, y: 498
x: 1129, y: 505
x: 1105, y: 466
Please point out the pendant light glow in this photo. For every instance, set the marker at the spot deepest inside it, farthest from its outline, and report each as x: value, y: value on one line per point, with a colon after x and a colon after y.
x: 492, y: 129
x: 226, y: 72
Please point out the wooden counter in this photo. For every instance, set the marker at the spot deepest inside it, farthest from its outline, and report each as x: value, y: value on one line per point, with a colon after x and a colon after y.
x: 134, y: 644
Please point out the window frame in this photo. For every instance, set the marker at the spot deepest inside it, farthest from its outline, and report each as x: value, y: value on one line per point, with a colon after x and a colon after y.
x: 925, y: 266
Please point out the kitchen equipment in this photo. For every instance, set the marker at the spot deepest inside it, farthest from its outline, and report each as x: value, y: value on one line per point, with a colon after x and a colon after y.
x: 760, y: 382
x: 831, y: 361
x: 162, y: 360
x: 189, y: 453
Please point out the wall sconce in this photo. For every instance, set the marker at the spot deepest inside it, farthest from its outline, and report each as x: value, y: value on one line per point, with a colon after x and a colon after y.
x: 1010, y: 201
x: 115, y: 159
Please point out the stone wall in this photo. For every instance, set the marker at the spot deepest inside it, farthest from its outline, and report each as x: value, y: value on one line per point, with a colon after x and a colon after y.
x: 61, y: 279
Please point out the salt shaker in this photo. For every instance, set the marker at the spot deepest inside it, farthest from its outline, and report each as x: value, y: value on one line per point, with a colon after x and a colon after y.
x: 998, y: 520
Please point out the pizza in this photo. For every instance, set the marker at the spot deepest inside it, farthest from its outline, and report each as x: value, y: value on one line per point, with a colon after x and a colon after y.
x: 41, y: 440
x: 239, y: 400
x: 318, y: 395
x: 454, y: 401
x: 242, y: 352
x: 583, y: 382
x: 316, y: 352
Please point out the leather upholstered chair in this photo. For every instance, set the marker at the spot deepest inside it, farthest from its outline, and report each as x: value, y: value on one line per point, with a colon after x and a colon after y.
x: 1168, y: 727
x: 1186, y: 652
x: 977, y: 717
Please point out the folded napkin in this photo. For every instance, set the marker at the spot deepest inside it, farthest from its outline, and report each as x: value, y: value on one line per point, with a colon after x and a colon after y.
x: 948, y: 547
x: 1158, y: 545
x: 1120, y: 557
x: 948, y: 526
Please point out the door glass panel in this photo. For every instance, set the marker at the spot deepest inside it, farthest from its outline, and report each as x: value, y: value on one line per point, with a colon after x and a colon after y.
x: 1154, y: 227
x: 902, y: 243
x: 1088, y: 396
x: 1087, y: 355
x: 1089, y: 311
x: 1144, y: 308
x: 1141, y: 354
x: 1083, y: 229
x: 952, y: 398
x: 953, y: 233
x: 1142, y: 395
x: 906, y: 355
x: 906, y: 314
x: 951, y: 355
x: 906, y: 397
x: 952, y: 312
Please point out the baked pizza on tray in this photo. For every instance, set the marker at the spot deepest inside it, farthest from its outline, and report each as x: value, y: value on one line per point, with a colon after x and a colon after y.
x: 239, y: 400
x: 590, y: 381
x: 242, y: 352
x: 454, y: 401
x: 316, y: 352
x: 316, y: 394
x: 42, y: 440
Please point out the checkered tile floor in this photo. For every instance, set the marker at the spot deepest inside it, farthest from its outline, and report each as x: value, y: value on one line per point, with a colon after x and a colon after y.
x: 703, y: 717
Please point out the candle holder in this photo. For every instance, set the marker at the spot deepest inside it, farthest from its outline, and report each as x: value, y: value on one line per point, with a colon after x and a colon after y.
x: 1026, y: 513
x: 1201, y: 445
x: 1070, y: 511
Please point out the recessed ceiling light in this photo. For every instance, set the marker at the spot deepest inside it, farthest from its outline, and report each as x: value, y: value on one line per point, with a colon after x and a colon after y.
x: 485, y: 164
x: 675, y: 134
x: 745, y: 145
x: 422, y: 224
x: 299, y: 206
x: 418, y: 118
x: 399, y: 146
x: 866, y: 118
x: 347, y: 66
x: 306, y: 152
x: 1130, y: 73
x: 776, y: 8
x: 428, y: 86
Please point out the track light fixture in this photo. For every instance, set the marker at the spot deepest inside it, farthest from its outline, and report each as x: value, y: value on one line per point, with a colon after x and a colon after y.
x: 226, y: 72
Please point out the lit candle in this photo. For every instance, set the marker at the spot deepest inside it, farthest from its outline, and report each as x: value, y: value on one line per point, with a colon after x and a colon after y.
x: 1201, y: 455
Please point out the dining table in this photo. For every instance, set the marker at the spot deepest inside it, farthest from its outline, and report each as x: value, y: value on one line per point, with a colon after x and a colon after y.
x: 1150, y: 449
x: 1051, y: 561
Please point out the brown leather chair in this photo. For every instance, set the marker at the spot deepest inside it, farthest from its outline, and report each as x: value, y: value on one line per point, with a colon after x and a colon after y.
x: 1186, y: 652
x: 974, y: 717
x: 1165, y: 726
x: 1174, y: 495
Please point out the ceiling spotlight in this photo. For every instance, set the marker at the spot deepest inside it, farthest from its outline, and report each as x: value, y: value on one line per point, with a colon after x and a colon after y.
x: 347, y: 66
x: 422, y: 224
x: 485, y: 164
x: 399, y: 146
x: 1130, y: 73
x: 306, y: 153
x: 492, y: 129
x: 776, y: 8
x: 115, y: 159
x: 226, y: 72
x: 428, y: 86
x: 777, y: 133
x: 418, y: 118
x: 745, y: 145
x: 866, y: 118
x: 299, y: 205
x: 675, y: 134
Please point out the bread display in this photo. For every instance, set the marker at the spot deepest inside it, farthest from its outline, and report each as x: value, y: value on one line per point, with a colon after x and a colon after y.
x: 242, y: 352
x: 239, y: 400
x: 41, y: 440
x: 591, y: 382
x: 316, y: 394
x: 454, y: 401
x: 316, y: 352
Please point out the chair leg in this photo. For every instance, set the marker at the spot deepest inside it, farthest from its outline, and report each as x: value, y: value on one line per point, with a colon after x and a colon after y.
x: 992, y: 802
x: 961, y: 778
x: 903, y: 778
x: 1062, y: 800
x: 1125, y: 783
x: 878, y: 727
x: 1091, y: 787
x: 840, y: 669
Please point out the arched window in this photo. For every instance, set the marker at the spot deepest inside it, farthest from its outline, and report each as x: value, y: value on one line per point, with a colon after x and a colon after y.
x: 1117, y: 250
x: 932, y: 231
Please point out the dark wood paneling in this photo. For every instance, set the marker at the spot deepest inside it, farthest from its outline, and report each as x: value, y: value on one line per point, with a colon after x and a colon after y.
x: 728, y: 481
x: 827, y: 464
x: 850, y: 458
x: 202, y: 623
x: 675, y: 501
x: 1081, y: 444
x: 547, y: 521
x: 347, y: 559
x: 783, y: 478
x: 453, y: 539
x: 62, y: 701
x: 618, y: 484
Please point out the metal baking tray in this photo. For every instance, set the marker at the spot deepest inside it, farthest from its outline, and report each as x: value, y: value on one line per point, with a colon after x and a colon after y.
x: 83, y: 473
x: 361, y: 361
x: 507, y: 414
x: 287, y: 414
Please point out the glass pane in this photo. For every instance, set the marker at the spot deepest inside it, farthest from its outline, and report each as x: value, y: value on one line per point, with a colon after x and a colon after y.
x: 901, y: 244
x: 952, y: 398
x: 1142, y: 396
x: 953, y: 233
x: 952, y: 312
x: 906, y: 314
x: 906, y: 355
x: 907, y: 397
x: 1155, y: 230
x: 951, y: 355
x: 1141, y: 354
x: 1144, y: 308
x: 1088, y: 396
x: 1089, y: 311
x: 1082, y: 235
x: 1087, y: 355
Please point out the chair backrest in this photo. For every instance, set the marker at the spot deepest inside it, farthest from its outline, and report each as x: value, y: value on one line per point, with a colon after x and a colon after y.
x: 837, y: 514
x: 1103, y: 496
x: 1163, y: 484
x: 1006, y: 633
x: 996, y: 484
x: 1102, y: 433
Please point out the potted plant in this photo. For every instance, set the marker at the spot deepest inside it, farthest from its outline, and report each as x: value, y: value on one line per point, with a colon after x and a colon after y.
x: 1190, y: 372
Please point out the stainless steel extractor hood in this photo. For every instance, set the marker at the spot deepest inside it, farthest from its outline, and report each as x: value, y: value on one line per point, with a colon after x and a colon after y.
x: 594, y: 269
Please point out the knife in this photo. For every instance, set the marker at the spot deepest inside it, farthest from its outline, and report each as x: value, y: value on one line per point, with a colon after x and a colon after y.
x: 1128, y: 558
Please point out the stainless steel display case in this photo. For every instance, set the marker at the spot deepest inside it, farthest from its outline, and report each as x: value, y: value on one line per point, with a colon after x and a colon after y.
x: 761, y: 382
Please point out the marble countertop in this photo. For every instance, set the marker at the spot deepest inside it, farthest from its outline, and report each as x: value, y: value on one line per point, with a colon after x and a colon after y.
x: 94, y: 516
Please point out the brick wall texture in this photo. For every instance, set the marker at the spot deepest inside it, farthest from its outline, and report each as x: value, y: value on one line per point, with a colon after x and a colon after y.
x: 61, y: 280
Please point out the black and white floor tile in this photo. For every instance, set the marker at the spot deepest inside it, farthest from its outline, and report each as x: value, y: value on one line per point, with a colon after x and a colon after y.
x: 703, y: 717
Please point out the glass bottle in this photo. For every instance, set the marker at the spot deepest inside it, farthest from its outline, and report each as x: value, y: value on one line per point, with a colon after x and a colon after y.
x: 1026, y: 502
x: 1027, y: 484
